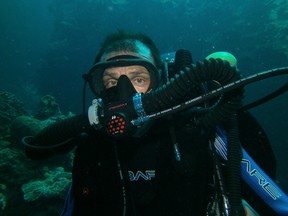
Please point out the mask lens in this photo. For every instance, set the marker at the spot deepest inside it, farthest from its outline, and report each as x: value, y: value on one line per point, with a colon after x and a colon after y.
x: 96, y: 73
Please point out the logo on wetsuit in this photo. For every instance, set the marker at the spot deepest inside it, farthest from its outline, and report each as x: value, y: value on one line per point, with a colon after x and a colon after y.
x: 146, y: 176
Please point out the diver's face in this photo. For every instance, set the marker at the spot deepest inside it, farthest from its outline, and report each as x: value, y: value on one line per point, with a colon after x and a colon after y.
x: 138, y: 75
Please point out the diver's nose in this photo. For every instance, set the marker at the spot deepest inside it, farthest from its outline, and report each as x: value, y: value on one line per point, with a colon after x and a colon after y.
x: 125, y: 88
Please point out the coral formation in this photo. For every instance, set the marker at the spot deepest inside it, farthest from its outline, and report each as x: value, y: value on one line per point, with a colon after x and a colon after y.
x: 11, y: 163
x: 56, y: 183
x: 48, y: 107
x: 25, y: 126
x: 17, y: 171
x: 10, y: 108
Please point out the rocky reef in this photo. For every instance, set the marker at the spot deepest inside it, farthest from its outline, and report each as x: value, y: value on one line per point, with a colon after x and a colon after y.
x: 54, y: 184
x: 24, y: 181
x: 10, y: 108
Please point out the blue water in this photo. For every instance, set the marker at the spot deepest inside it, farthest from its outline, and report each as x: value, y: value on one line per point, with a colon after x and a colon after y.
x: 45, y: 46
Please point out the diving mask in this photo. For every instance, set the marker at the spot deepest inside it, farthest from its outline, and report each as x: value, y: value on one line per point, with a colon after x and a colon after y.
x: 95, y: 75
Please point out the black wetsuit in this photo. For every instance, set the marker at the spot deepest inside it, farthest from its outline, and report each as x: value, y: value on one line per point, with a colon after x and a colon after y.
x: 152, y: 182
x: 141, y: 176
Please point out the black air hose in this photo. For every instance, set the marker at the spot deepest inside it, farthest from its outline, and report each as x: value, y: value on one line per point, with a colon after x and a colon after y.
x: 233, y: 169
x: 58, y: 135
x: 188, y: 83
x: 268, y: 97
x: 183, y: 58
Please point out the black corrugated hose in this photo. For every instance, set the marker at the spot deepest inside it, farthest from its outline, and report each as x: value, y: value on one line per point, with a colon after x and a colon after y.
x: 233, y: 169
x: 56, y: 137
x: 188, y: 84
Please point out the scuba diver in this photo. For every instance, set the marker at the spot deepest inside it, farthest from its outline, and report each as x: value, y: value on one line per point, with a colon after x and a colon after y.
x: 138, y: 152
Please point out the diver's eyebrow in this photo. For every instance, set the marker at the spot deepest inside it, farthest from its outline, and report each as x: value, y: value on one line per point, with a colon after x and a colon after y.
x: 138, y: 73
x: 110, y: 73
x: 135, y: 72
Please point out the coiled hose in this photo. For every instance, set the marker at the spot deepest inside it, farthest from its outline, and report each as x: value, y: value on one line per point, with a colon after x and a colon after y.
x: 233, y: 168
x: 189, y: 84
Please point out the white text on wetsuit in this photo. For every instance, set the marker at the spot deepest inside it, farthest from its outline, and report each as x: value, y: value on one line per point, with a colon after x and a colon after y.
x: 146, y: 176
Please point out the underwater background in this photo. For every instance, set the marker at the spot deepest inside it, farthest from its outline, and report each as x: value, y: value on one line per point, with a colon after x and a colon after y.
x: 45, y: 47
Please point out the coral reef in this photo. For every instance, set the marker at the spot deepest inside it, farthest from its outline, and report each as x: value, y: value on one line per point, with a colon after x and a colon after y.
x: 48, y: 107
x: 56, y: 183
x: 22, y: 180
x: 24, y: 126
x: 12, y: 163
x: 29, y: 126
x: 10, y: 108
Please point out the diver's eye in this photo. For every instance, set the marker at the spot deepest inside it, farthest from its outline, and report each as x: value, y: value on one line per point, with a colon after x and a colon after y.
x: 110, y: 83
x: 139, y: 81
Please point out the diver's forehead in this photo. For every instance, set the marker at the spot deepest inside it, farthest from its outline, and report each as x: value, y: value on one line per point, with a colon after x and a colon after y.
x: 142, y: 52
